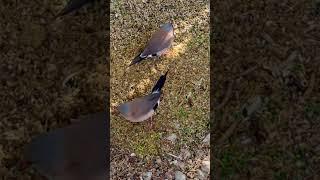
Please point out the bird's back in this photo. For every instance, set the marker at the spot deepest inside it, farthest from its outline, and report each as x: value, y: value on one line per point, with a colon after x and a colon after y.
x: 159, y: 41
x: 140, y: 108
x: 79, y: 149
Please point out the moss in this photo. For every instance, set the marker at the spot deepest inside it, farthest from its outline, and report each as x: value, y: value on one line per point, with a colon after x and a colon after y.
x: 148, y: 145
x: 232, y: 162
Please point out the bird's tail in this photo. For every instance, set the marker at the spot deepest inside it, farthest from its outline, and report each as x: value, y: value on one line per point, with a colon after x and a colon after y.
x: 136, y: 60
x: 160, y: 83
x: 72, y: 6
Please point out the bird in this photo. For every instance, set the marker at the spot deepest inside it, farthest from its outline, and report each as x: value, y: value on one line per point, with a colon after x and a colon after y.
x: 158, y: 44
x: 73, y: 5
x: 76, y: 152
x: 143, y: 108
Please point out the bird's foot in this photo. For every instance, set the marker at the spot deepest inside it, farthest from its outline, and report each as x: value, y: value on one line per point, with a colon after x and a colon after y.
x: 151, y: 125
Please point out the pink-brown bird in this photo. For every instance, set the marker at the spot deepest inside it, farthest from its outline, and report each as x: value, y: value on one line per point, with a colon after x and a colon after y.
x: 158, y: 45
x: 76, y: 152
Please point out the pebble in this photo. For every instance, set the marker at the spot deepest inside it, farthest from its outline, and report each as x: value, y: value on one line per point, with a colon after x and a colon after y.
x: 201, y: 175
x: 177, y: 126
x: 178, y: 175
x: 205, y: 166
x: 169, y: 175
x: 206, y: 140
x: 246, y: 141
x: 158, y: 161
x: 147, y: 176
x: 200, y: 153
x: 181, y: 165
x: 172, y: 138
x: 174, y: 162
x: 185, y: 154
x: 253, y: 105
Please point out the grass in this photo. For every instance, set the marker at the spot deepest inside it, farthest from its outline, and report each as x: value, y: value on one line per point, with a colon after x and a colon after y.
x: 182, y: 114
x: 312, y: 110
x: 38, y: 55
x: 146, y: 146
x: 188, y: 64
x: 232, y: 162
x: 289, y: 119
x: 280, y: 175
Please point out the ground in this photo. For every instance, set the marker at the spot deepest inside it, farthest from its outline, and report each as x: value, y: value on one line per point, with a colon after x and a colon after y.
x: 266, y: 61
x: 51, y: 71
x: 184, y: 107
x: 265, y: 67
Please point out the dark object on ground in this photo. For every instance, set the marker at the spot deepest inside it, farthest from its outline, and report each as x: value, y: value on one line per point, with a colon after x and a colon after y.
x: 72, y: 6
x: 76, y: 152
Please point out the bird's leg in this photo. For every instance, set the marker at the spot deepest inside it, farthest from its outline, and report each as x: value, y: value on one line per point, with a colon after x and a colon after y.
x: 150, y: 123
x: 157, y: 57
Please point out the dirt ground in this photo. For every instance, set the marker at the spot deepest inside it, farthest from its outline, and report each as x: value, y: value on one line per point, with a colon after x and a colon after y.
x: 184, y: 109
x: 50, y: 72
x: 266, y: 90
x: 55, y: 71
x: 265, y: 60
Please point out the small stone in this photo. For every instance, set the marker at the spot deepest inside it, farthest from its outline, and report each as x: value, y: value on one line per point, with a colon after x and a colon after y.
x: 132, y: 154
x: 201, y: 175
x: 147, y: 176
x: 177, y: 126
x: 205, y: 166
x: 172, y: 138
x: 181, y: 165
x: 206, y: 140
x: 174, y: 162
x: 158, y: 161
x: 178, y: 175
x: 200, y: 153
x: 252, y: 106
x: 185, y: 154
x: 168, y: 175
x: 246, y: 141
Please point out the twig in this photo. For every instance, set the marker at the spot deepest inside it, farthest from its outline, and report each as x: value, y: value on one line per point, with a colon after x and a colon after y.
x: 227, y: 97
x: 174, y: 156
x: 311, y: 85
x: 248, y: 71
x: 69, y: 77
x: 230, y: 130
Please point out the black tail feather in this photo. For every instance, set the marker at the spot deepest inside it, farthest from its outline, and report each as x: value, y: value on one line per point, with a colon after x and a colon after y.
x: 72, y: 6
x: 160, y: 83
x: 136, y: 60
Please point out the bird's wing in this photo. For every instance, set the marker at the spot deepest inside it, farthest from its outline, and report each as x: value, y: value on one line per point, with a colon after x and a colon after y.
x: 159, y: 41
x: 73, y: 5
x: 139, y: 106
x: 78, y: 148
